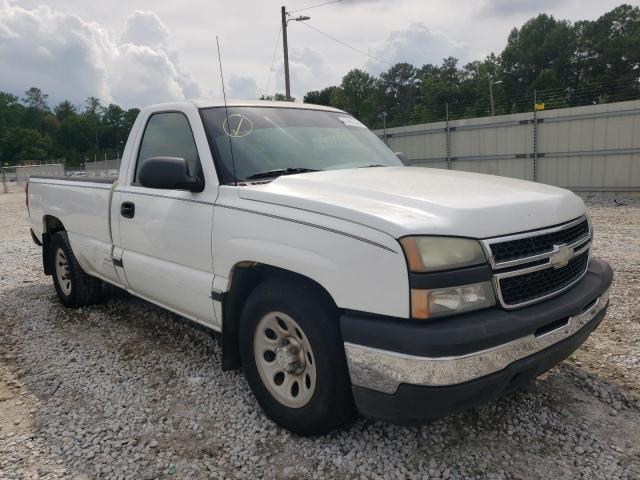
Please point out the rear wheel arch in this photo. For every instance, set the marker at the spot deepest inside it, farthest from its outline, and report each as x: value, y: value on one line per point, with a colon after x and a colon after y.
x: 244, y: 278
x: 50, y: 226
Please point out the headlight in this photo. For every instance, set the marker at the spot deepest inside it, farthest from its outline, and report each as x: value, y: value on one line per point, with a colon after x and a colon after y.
x: 432, y: 254
x: 440, y: 302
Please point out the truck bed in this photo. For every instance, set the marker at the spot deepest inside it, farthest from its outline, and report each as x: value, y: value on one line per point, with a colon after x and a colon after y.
x: 82, y: 204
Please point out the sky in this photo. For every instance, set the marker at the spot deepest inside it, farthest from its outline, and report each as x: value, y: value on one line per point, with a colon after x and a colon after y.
x: 137, y: 52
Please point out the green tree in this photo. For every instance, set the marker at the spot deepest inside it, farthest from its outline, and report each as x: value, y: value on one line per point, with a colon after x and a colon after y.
x: 24, y: 144
x: 542, y: 44
x: 565, y: 64
x: 399, y: 91
x: 36, y: 100
x: 608, y: 56
x: 93, y: 121
x: 29, y: 130
x: 357, y: 95
x: 64, y: 110
x: 322, y: 97
x: 112, y: 120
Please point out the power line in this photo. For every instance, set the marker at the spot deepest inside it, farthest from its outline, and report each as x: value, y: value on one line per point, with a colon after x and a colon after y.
x: 273, y: 60
x: 586, y: 84
x: 315, y: 6
x: 586, y: 90
x: 344, y: 44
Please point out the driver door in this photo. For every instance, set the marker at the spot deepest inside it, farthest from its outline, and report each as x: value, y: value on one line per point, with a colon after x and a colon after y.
x: 165, y: 235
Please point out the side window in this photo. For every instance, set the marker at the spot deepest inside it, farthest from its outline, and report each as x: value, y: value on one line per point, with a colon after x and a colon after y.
x: 168, y: 135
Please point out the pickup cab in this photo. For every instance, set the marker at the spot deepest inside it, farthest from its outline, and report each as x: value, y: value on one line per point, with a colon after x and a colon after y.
x: 340, y: 280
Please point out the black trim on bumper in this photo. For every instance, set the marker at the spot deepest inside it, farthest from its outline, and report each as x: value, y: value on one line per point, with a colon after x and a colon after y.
x: 474, y: 331
x: 412, y: 404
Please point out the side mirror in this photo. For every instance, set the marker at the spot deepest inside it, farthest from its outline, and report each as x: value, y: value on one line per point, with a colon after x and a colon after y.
x: 403, y: 158
x: 171, y: 173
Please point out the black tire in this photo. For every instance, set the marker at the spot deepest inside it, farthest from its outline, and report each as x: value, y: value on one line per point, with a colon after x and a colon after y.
x: 84, y: 289
x: 331, y: 404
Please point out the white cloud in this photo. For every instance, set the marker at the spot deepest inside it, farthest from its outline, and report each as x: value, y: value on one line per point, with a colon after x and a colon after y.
x: 512, y: 7
x: 69, y: 48
x: 242, y: 87
x: 143, y: 75
x: 145, y: 28
x: 417, y: 45
x: 71, y: 58
x: 307, y: 70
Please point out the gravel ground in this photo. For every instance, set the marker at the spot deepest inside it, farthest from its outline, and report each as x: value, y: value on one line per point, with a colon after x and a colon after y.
x: 126, y: 390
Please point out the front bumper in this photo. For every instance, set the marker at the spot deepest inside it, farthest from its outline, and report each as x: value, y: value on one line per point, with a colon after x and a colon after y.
x: 419, y: 371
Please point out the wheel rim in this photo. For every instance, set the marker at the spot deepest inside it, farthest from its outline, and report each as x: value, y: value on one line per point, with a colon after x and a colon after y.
x: 62, y: 271
x: 284, y: 359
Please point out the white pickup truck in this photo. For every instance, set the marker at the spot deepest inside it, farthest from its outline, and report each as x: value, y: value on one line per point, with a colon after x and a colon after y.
x: 340, y: 279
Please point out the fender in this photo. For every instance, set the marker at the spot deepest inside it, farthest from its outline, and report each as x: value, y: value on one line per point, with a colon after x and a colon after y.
x: 361, y: 268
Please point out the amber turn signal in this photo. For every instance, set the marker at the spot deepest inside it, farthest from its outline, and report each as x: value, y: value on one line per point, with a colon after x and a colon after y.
x: 419, y: 304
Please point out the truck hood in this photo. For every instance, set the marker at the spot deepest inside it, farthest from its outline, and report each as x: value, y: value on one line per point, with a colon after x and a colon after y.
x: 414, y: 200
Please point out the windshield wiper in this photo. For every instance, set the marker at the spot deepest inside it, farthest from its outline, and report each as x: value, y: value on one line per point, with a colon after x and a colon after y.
x: 373, y: 165
x: 281, y: 171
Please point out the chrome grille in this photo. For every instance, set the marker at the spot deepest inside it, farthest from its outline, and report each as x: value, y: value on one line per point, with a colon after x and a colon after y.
x: 522, y: 288
x: 533, y: 266
x: 528, y: 246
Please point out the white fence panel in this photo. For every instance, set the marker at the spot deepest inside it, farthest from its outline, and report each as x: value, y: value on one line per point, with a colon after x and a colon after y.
x: 592, y: 148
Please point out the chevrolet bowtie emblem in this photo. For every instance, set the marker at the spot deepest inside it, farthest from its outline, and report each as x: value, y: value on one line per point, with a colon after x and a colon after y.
x: 561, y: 256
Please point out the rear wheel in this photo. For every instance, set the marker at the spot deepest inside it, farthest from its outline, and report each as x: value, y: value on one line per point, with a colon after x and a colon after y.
x: 293, y: 356
x: 74, y: 287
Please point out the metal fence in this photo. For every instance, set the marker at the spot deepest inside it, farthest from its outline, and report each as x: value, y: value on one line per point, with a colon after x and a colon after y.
x: 592, y: 148
x: 14, y: 178
x: 103, y: 167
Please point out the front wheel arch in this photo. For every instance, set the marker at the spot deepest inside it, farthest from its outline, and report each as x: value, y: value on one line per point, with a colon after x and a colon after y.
x: 245, y: 277
x: 317, y: 395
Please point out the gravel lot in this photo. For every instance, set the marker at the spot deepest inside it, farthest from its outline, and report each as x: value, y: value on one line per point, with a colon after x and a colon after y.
x: 126, y: 390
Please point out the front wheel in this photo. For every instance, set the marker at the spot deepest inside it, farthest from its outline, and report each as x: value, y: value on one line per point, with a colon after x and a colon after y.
x: 294, y: 358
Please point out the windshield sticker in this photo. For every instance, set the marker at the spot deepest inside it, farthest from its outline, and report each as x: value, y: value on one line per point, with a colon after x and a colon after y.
x: 237, y: 126
x: 351, y: 122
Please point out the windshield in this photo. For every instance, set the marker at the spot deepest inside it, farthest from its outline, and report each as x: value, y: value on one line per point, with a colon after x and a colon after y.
x: 270, y: 141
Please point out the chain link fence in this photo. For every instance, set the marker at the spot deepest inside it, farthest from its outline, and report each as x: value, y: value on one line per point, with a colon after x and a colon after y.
x: 459, y: 105
x: 14, y: 178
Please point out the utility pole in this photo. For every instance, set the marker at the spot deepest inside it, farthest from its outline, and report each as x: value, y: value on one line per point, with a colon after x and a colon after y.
x: 535, y: 135
x: 285, y: 47
x: 448, y: 136
x: 384, y: 126
x: 491, y: 84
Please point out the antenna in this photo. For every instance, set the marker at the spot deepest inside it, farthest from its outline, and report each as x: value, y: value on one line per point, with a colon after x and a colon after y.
x: 226, y: 112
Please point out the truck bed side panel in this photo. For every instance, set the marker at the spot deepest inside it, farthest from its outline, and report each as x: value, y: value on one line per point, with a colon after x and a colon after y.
x: 83, y: 209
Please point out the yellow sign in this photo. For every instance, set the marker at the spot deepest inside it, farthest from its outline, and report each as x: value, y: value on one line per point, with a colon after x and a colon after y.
x: 539, y: 106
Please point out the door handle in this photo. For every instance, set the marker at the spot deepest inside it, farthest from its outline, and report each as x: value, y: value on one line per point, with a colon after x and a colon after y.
x: 127, y: 209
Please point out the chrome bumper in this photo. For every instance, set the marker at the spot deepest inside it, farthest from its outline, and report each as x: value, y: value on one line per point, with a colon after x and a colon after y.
x: 384, y: 371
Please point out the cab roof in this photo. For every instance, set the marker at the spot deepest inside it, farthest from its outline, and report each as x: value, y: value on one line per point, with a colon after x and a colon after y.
x: 208, y: 103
